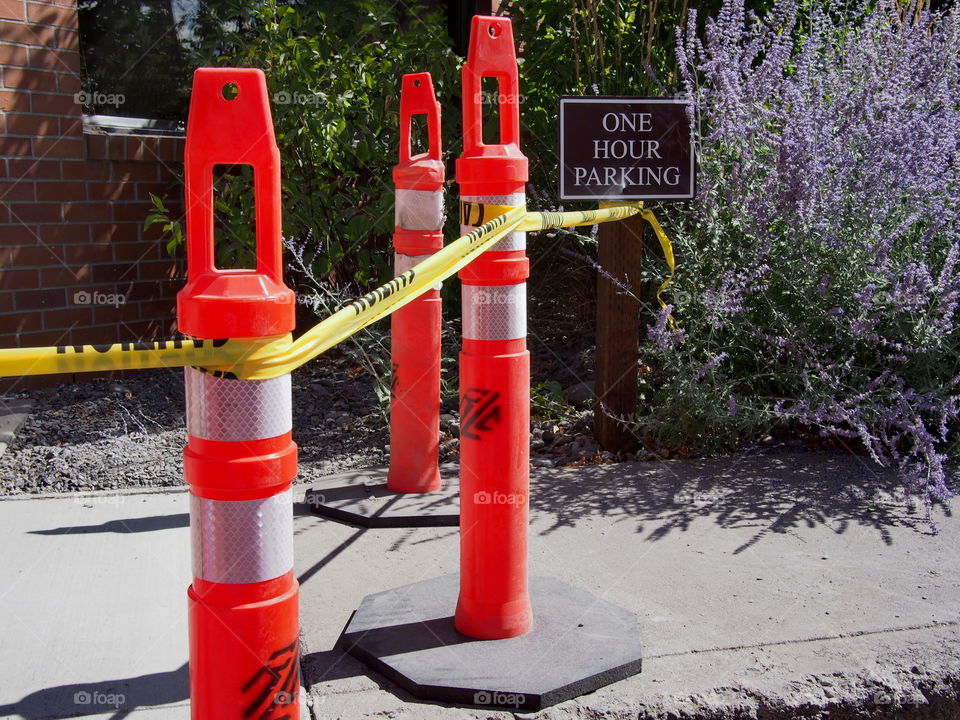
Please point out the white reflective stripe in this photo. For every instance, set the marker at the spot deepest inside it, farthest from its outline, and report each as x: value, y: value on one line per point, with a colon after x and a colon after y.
x: 235, y: 410
x: 516, y: 240
x: 402, y: 263
x: 242, y: 541
x: 494, y: 312
x: 419, y: 209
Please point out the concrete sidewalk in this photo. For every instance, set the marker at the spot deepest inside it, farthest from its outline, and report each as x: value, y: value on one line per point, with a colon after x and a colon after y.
x: 780, y: 586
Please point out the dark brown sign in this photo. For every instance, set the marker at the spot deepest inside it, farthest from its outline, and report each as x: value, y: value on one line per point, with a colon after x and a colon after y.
x: 622, y: 148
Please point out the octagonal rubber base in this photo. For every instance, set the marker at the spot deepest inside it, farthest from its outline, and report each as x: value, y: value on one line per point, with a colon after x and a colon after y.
x: 579, y: 643
x: 361, y: 498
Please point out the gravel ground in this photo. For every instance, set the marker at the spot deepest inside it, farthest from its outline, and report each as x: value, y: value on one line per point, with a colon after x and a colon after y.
x: 108, y: 434
x: 127, y: 433
x: 116, y: 434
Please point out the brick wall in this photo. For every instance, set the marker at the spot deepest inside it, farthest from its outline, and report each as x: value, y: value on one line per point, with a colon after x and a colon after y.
x: 75, y: 265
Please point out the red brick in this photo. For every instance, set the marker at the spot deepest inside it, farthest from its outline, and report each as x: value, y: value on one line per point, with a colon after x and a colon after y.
x: 127, y: 171
x: 50, y: 59
x: 86, y: 212
x: 166, y: 308
x: 130, y: 211
x: 71, y: 126
x: 16, y: 190
x: 96, y: 147
x: 86, y: 171
x: 114, y: 233
x: 68, y: 39
x: 36, y: 299
x: 24, y: 322
x: 142, y: 149
x: 84, y: 253
x: 54, y: 103
x: 146, y: 189
x: 157, y: 270
x: 29, y: 124
x: 60, y: 190
x: 155, y: 290
x: 116, y: 148
x: 19, y: 279
x: 34, y: 169
x: 114, y: 272
x: 134, y: 252
x: 170, y: 149
x: 29, y: 79
x: 15, y: 146
x: 60, y: 275
x: 24, y: 34
x: 47, y: 14
x: 12, y: 10
x: 111, y: 191
x: 48, y: 338
x: 69, y: 82
x: 17, y: 235
x: 111, y: 314
x: 58, y: 147
x: 63, y: 234
x: 67, y: 317
x: 35, y: 212
x: 35, y: 255
x: 13, y: 55
x: 10, y: 99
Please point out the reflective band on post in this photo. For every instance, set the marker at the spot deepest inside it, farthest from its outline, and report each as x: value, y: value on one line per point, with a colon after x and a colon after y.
x: 419, y: 209
x: 237, y: 410
x: 516, y: 240
x: 494, y: 312
x: 242, y: 541
x: 402, y: 263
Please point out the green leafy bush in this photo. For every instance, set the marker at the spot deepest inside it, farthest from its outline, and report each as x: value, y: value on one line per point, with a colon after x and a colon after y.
x: 333, y: 73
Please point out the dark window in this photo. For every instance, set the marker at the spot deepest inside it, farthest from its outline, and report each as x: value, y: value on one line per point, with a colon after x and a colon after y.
x: 136, y: 57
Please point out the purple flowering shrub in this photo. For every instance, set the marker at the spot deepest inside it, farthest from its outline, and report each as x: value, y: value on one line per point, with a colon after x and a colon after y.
x: 819, y: 268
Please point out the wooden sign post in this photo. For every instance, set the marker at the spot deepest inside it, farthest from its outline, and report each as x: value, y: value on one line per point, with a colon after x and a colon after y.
x: 622, y: 149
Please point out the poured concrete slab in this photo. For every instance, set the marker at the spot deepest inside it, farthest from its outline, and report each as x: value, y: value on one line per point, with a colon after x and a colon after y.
x: 782, y: 585
x: 361, y: 497
x: 578, y: 643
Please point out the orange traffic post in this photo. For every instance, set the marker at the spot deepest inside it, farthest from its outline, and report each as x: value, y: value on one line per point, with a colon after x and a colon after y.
x: 240, y: 460
x: 494, y: 365
x: 415, y: 328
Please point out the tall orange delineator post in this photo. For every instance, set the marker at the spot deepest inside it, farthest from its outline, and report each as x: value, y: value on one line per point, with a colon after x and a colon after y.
x: 240, y: 460
x: 415, y: 329
x: 494, y: 364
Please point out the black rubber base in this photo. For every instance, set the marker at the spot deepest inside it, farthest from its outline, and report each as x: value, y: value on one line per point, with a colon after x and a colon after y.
x: 579, y: 643
x: 361, y: 498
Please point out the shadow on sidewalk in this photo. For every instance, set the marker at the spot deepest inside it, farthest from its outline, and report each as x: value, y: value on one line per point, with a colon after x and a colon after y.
x: 120, y: 697
x: 130, y: 525
x: 774, y: 493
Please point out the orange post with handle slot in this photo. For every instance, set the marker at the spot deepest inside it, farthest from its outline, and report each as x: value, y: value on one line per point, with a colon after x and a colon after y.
x: 494, y: 364
x: 415, y: 328
x: 240, y: 460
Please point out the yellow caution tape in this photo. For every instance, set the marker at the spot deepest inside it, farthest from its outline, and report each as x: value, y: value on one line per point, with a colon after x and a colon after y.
x: 137, y: 355
x: 477, y: 214
x: 264, y: 358
x: 668, y: 256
